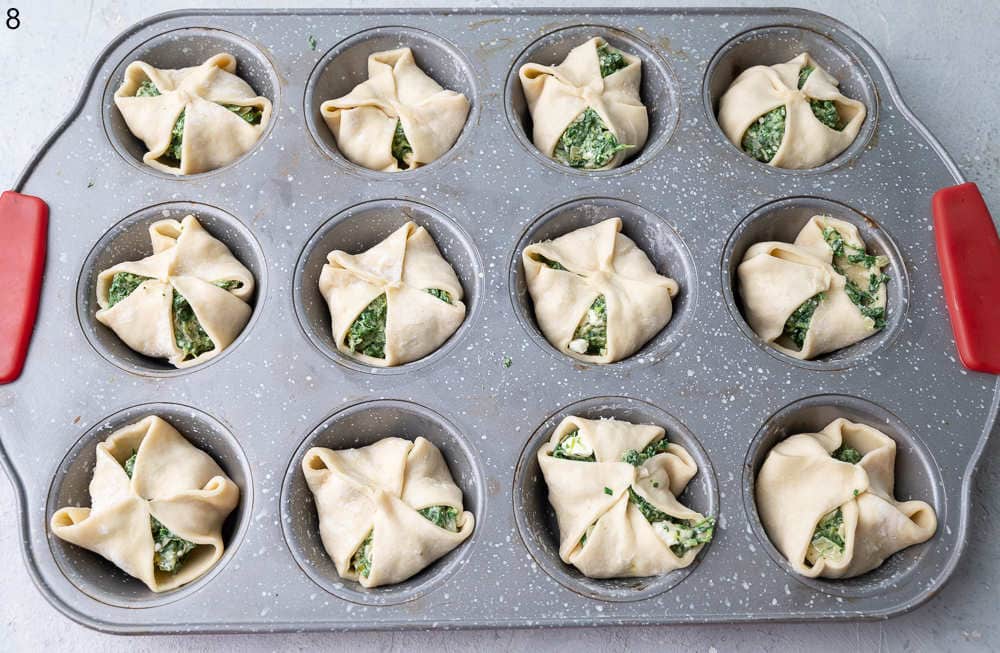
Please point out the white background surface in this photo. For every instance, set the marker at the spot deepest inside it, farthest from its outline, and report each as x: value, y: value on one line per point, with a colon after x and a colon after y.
x: 944, y: 56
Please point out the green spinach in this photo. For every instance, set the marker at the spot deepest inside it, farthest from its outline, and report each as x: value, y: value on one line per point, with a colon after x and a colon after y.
x: 798, y: 322
x: 637, y: 458
x: 611, y: 60
x: 147, y: 89
x: 367, y: 333
x: 361, y: 561
x: 401, y: 145
x: 445, y: 517
x: 176, y: 139
x: 847, y: 454
x: 123, y: 284
x: 251, y: 115
x: 188, y: 332
x: 571, y: 447
x: 587, y: 142
x: 555, y: 265
x: 229, y: 284
x: 591, y: 336
x: 828, y: 538
x: 681, y: 535
x: 443, y: 295
x: 169, y: 550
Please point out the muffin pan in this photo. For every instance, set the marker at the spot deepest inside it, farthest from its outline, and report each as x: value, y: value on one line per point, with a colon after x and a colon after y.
x: 493, y: 392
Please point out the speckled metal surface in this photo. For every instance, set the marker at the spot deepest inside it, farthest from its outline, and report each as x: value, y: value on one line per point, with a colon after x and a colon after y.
x: 274, y: 388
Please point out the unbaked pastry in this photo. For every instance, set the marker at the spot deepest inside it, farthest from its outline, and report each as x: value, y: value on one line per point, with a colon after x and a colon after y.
x: 192, y: 119
x: 826, y: 501
x: 587, y: 111
x: 387, y: 510
x: 186, y: 303
x: 399, y: 119
x: 820, y: 294
x: 394, y: 303
x: 596, y: 296
x: 157, y: 506
x: 790, y: 115
x: 614, y: 488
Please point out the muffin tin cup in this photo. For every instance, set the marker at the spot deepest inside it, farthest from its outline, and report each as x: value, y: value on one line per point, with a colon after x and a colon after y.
x: 659, y: 92
x: 183, y: 48
x: 766, y: 46
x: 651, y: 233
x: 917, y: 477
x: 781, y: 220
x: 358, y: 426
x: 357, y: 229
x: 99, y: 578
x: 536, y: 519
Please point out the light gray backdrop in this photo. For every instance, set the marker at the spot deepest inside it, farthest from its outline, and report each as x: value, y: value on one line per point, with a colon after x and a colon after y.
x: 944, y: 56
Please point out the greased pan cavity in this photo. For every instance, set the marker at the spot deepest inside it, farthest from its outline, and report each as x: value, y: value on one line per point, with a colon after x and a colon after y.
x: 689, y: 198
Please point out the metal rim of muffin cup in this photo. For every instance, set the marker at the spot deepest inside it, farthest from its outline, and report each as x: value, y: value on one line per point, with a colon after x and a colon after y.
x: 440, y: 59
x: 166, y: 50
x: 917, y: 476
x: 359, y: 425
x: 128, y: 240
x: 773, y: 44
x: 368, y: 223
x: 101, y: 579
x: 660, y: 92
x: 654, y: 235
x: 536, y: 521
x: 781, y: 220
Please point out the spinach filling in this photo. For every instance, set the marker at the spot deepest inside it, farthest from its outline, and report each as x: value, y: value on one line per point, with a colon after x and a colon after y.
x: 637, y: 458
x: 251, y: 115
x: 587, y: 142
x: 681, y: 535
x: 828, y: 538
x: 361, y: 561
x: 847, y: 454
x: 555, y: 265
x: 445, y: 517
x: 798, y: 322
x: 229, y: 284
x: 169, y: 550
x: 572, y: 447
x: 443, y: 295
x: 591, y: 336
x: 763, y: 138
x: 611, y: 60
x: 123, y: 284
x: 401, y: 145
x: 176, y: 139
x: 367, y: 333
x: 147, y: 89
x: 188, y: 332
x: 845, y: 254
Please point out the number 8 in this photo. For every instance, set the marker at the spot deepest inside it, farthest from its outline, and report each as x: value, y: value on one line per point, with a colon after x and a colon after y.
x: 13, y: 18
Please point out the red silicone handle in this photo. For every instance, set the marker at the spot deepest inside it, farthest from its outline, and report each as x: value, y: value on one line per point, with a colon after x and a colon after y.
x: 24, y: 221
x: 969, y: 253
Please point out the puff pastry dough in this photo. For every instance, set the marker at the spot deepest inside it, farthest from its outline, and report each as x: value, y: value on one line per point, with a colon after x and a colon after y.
x: 602, y: 531
x: 364, y: 121
x: 597, y: 261
x: 188, y: 261
x: 403, y: 268
x: 213, y: 136
x: 807, y: 142
x: 172, y: 481
x: 778, y: 279
x: 557, y: 95
x: 377, y: 491
x: 801, y: 482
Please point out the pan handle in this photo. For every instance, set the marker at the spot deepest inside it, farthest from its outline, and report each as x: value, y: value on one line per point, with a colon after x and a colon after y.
x: 968, y: 250
x: 24, y: 223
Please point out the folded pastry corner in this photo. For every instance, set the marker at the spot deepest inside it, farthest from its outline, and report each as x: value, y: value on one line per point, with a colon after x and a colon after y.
x: 399, y: 118
x: 790, y: 115
x: 826, y: 501
x: 157, y: 506
x: 614, y: 487
x: 387, y: 510
x: 596, y: 295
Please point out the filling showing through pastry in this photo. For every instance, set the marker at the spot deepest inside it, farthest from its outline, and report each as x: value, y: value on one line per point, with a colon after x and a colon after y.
x: 587, y: 142
x: 445, y: 517
x: 169, y: 550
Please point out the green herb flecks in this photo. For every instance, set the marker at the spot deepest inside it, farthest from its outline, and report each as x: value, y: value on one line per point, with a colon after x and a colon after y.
x: 611, y: 60
x: 824, y: 110
x: 176, y: 139
x: 188, y: 332
x: 681, y: 535
x: 507, y: 362
x: 763, y: 138
x: 252, y: 115
x: 311, y: 40
x: 401, y: 145
x: 608, y: 491
x: 129, y: 463
x: 828, y: 538
x: 591, y: 335
x: 443, y: 295
x: 555, y: 265
x: 637, y: 458
x: 229, y: 284
x: 587, y: 142
x: 123, y: 284
x: 147, y: 89
x: 361, y: 561
x: 445, y: 517
x: 863, y: 300
x: 798, y: 322
x: 169, y: 550
x: 367, y: 333
x: 572, y: 447
x: 847, y: 454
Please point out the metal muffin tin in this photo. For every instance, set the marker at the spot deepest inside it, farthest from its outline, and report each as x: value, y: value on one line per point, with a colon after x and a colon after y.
x: 690, y: 199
